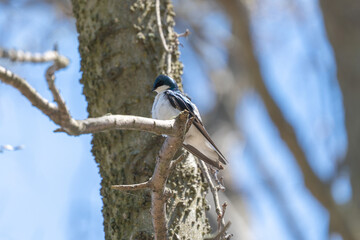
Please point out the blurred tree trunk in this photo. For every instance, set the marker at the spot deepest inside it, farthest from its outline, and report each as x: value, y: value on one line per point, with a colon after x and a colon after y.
x: 342, y: 220
x: 246, y: 68
x: 121, y: 56
x: 342, y: 21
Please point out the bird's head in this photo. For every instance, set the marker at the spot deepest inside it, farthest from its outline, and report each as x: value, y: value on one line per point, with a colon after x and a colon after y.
x: 163, y: 82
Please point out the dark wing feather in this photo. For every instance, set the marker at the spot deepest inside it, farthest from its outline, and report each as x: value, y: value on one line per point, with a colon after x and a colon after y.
x: 182, y: 103
x: 179, y: 101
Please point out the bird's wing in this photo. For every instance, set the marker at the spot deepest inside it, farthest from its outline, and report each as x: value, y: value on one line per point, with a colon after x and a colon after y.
x: 182, y: 103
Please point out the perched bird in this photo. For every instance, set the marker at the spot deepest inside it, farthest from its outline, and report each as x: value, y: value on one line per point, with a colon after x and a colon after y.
x: 168, y: 103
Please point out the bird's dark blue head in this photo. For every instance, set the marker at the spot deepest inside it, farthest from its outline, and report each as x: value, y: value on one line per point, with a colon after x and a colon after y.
x: 163, y: 82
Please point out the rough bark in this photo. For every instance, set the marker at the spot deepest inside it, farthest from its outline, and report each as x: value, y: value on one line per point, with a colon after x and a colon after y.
x: 121, y: 55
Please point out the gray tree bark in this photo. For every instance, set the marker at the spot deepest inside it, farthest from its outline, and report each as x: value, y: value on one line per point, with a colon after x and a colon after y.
x: 121, y: 54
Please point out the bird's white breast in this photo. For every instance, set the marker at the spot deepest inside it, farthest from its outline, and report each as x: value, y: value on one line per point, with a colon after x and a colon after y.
x: 162, y: 108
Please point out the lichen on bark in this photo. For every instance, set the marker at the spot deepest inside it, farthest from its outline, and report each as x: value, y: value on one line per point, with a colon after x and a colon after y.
x: 121, y: 54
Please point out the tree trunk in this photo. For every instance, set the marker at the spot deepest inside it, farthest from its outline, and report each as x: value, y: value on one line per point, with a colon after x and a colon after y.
x: 121, y: 54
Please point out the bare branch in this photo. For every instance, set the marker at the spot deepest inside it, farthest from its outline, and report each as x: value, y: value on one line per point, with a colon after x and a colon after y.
x: 214, y: 192
x: 60, y: 115
x: 221, y: 219
x: 157, y: 183
x: 167, y: 49
x: 220, y: 184
x: 28, y: 91
x: 158, y: 20
x: 161, y: 174
x: 175, y: 130
x: 50, y: 79
x: 21, y: 56
x: 168, y: 57
x: 133, y: 187
x: 123, y: 122
x: 163, y: 168
x: 221, y: 235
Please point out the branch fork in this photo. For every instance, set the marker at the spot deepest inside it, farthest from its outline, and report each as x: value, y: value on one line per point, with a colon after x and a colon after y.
x: 157, y: 183
x: 175, y: 130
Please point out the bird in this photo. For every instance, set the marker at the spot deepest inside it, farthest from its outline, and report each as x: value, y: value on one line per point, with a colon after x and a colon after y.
x: 168, y: 103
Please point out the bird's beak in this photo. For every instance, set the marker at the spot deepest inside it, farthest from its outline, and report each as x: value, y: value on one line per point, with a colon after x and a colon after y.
x: 153, y: 90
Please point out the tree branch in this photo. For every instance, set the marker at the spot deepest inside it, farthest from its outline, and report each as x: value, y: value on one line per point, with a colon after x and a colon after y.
x: 121, y: 122
x: 28, y: 91
x: 222, y: 234
x: 161, y: 173
x: 90, y: 125
x: 132, y: 187
x: 158, y: 21
x: 214, y: 191
x: 50, y: 79
x: 60, y: 114
x: 21, y: 56
x: 175, y: 130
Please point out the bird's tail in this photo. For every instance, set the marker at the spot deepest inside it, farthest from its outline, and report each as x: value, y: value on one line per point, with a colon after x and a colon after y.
x: 215, y: 162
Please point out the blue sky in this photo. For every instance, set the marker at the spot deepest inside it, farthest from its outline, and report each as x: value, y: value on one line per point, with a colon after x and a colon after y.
x: 53, y: 184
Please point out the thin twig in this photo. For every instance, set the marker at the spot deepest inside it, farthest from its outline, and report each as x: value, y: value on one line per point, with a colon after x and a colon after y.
x: 220, y: 235
x: 50, y: 79
x: 158, y: 20
x: 133, y: 187
x: 28, y: 91
x: 220, y: 184
x: 184, y: 34
x: 221, y: 219
x: 59, y: 114
x: 167, y: 49
x: 214, y: 192
x: 168, y: 57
